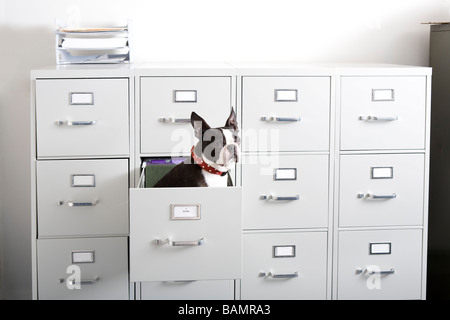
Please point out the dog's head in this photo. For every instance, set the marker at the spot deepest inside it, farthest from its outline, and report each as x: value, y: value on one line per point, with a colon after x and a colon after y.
x: 219, y: 147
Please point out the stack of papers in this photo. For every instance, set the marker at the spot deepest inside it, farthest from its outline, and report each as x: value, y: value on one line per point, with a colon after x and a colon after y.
x: 83, y: 30
x: 93, y: 43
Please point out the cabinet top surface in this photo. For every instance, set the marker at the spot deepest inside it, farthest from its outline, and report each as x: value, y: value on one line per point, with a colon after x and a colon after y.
x: 226, y: 68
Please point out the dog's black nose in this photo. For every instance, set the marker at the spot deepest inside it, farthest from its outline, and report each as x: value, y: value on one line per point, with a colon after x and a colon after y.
x: 232, y: 149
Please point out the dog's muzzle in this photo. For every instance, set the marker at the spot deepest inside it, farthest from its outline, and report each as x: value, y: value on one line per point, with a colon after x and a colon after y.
x: 232, y: 152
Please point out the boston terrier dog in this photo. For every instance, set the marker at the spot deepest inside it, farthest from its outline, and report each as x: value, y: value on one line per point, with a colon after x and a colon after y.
x: 211, y: 158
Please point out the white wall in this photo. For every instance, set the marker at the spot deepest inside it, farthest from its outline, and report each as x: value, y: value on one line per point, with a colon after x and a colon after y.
x: 202, y: 30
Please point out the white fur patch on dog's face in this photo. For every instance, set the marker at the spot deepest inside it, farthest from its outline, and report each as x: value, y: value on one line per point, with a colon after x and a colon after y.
x: 228, y: 157
x: 229, y: 154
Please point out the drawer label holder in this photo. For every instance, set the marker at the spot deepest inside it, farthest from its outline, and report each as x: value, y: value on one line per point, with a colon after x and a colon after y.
x: 380, y: 248
x: 82, y: 180
x: 82, y: 256
x: 383, y: 95
x: 381, y: 173
x: 185, y: 211
x: 81, y: 98
x: 283, y: 174
x: 283, y: 251
x: 185, y: 96
x: 286, y: 95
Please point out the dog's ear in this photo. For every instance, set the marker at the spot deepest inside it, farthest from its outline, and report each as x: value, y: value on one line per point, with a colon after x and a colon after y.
x: 232, y: 121
x: 199, y: 125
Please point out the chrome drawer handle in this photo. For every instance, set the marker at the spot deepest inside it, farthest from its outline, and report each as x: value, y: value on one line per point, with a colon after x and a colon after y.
x: 80, y: 204
x: 376, y: 196
x: 171, y: 243
x: 277, y: 198
x: 278, y: 275
x: 372, y: 271
x: 76, y: 123
x: 83, y: 282
x: 174, y: 120
x: 278, y: 119
x: 377, y: 118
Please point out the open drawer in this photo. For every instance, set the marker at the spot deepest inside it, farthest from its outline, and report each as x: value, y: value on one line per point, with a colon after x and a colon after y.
x: 180, y: 234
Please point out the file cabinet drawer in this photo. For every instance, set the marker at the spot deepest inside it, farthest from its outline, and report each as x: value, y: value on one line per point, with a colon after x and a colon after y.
x: 380, y: 264
x: 166, y: 107
x: 383, y: 113
x: 188, y: 290
x: 381, y: 190
x: 284, y: 265
x: 286, y: 113
x: 84, y: 269
x: 82, y: 197
x: 285, y: 191
x: 179, y: 234
x: 81, y: 117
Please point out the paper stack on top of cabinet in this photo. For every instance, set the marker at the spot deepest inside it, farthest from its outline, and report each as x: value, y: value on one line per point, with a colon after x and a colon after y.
x: 92, y: 45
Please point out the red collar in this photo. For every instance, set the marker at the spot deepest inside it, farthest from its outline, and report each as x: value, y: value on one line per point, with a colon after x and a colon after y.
x: 206, y: 166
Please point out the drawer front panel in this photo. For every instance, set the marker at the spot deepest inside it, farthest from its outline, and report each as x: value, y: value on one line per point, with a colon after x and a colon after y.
x: 379, y: 264
x: 383, y: 113
x: 381, y: 190
x: 285, y: 191
x: 80, y: 117
x: 84, y: 269
x: 284, y: 266
x: 188, y: 290
x: 82, y: 197
x: 286, y: 113
x: 185, y: 234
x: 166, y: 107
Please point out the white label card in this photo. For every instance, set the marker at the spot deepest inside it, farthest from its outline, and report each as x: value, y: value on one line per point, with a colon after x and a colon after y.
x: 285, y: 174
x: 83, y: 256
x: 382, y: 172
x: 382, y: 94
x: 380, y: 248
x: 81, y: 98
x: 185, y: 95
x: 286, y: 95
x: 284, y: 251
x: 83, y: 180
x: 185, y: 212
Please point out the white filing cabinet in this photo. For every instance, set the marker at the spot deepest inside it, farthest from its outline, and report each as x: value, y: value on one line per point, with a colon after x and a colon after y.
x: 285, y: 179
x: 81, y: 177
x: 382, y: 185
x: 330, y: 198
x: 178, y: 256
